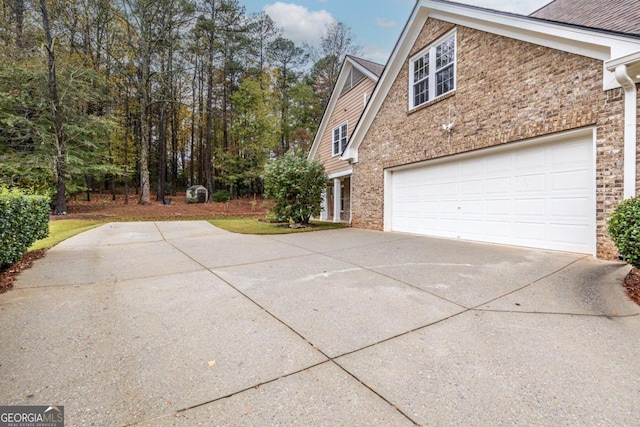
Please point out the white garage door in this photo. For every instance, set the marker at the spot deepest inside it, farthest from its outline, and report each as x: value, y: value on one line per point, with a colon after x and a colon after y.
x: 540, y: 196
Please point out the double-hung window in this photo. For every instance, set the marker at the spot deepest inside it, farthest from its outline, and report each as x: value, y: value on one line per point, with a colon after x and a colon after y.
x: 432, y: 72
x: 339, y: 139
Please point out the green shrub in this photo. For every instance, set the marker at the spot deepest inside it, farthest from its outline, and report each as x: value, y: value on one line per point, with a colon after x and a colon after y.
x: 296, y: 185
x: 624, y: 229
x: 221, y: 196
x: 23, y: 220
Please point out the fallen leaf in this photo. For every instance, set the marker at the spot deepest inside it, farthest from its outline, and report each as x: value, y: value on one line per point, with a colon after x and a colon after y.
x: 211, y: 362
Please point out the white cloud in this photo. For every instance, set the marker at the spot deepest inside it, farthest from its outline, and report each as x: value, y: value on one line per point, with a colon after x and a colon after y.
x: 299, y: 23
x: 385, y: 23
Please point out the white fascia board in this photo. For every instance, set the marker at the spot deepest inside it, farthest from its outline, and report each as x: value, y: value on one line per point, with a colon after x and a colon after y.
x: 340, y: 174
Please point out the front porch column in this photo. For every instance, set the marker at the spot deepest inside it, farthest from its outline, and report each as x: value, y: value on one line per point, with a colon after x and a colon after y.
x: 324, y: 215
x: 337, y: 196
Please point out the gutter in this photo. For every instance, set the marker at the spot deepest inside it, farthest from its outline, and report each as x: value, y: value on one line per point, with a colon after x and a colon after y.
x: 620, y: 67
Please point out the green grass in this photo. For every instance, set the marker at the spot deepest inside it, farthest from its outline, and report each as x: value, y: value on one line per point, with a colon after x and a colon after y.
x: 253, y: 226
x: 62, y: 229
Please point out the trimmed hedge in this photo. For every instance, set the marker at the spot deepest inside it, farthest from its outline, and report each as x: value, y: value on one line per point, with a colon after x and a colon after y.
x: 23, y: 220
x: 624, y: 229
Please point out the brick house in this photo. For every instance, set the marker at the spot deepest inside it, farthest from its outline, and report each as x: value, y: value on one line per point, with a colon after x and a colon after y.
x: 354, y: 87
x: 502, y: 128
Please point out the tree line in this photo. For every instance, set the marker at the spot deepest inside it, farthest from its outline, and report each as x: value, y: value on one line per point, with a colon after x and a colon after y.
x: 154, y: 95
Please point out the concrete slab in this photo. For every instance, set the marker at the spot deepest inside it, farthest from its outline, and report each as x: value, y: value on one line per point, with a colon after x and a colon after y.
x: 121, y: 353
x: 588, y: 287
x: 142, y: 330
x: 339, y: 239
x: 324, y: 395
x: 509, y: 369
x: 335, y: 305
x: 228, y: 249
x: 104, y: 264
x: 115, y: 233
x: 466, y: 273
x: 171, y: 230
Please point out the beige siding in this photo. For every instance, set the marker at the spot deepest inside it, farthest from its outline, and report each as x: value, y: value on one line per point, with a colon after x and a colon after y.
x: 507, y: 90
x: 349, y: 108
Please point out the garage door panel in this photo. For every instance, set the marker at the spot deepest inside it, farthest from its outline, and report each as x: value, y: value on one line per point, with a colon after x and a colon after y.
x: 530, y: 159
x: 471, y: 187
x: 498, y: 185
x: 498, y: 165
x: 570, y: 180
x: 539, y: 196
x: 571, y: 208
x: 529, y: 231
x: 530, y: 208
x: 498, y: 207
x: 569, y: 154
x: 497, y: 229
x: 566, y: 233
x: 530, y: 183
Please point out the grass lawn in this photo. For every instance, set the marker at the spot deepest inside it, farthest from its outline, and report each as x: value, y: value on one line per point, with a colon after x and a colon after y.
x: 253, y: 226
x: 62, y: 229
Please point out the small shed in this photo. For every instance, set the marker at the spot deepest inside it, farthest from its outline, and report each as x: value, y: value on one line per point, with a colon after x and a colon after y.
x: 197, y: 194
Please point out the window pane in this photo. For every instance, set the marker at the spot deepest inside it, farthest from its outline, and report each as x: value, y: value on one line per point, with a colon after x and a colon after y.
x: 445, y: 80
x: 445, y: 53
x: 421, y: 68
x: 420, y: 92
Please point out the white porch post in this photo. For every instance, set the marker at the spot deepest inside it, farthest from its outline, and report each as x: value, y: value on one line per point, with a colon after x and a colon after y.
x: 337, y: 196
x: 324, y: 215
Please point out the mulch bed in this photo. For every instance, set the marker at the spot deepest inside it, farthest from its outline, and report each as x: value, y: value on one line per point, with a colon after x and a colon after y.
x: 632, y: 285
x: 8, y: 274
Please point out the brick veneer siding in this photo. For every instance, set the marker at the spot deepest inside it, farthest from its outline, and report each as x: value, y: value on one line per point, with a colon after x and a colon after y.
x: 506, y: 91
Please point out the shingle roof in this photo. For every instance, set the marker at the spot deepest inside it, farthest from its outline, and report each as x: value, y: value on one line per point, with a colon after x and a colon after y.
x: 374, y: 67
x: 621, y: 16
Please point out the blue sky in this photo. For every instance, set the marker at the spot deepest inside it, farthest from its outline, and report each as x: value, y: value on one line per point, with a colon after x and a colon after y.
x: 376, y: 23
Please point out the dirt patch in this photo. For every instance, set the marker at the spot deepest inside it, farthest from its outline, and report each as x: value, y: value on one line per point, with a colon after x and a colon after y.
x: 632, y: 285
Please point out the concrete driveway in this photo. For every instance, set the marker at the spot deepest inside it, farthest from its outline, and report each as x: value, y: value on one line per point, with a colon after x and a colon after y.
x: 181, y: 323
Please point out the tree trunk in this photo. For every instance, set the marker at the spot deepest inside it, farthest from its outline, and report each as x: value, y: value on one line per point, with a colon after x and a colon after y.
x: 145, y: 189
x: 60, y: 153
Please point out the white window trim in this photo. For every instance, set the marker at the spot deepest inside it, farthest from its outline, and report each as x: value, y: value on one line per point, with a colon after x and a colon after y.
x: 431, y: 49
x: 345, y: 137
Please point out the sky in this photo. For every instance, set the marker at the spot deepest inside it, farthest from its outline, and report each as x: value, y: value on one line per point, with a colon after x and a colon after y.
x: 377, y: 24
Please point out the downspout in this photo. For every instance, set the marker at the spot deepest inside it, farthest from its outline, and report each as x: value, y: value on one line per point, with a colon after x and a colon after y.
x: 630, y: 128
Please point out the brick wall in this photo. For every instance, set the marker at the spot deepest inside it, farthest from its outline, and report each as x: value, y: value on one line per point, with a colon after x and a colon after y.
x: 506, y: 91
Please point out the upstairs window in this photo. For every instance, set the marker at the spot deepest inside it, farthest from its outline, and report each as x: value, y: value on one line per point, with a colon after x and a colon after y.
x: 339, y: 139
x: 432, y: 72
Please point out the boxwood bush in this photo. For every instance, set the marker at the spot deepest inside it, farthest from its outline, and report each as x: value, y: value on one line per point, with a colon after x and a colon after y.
x: 23, y: 220
x: 624, y: 229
